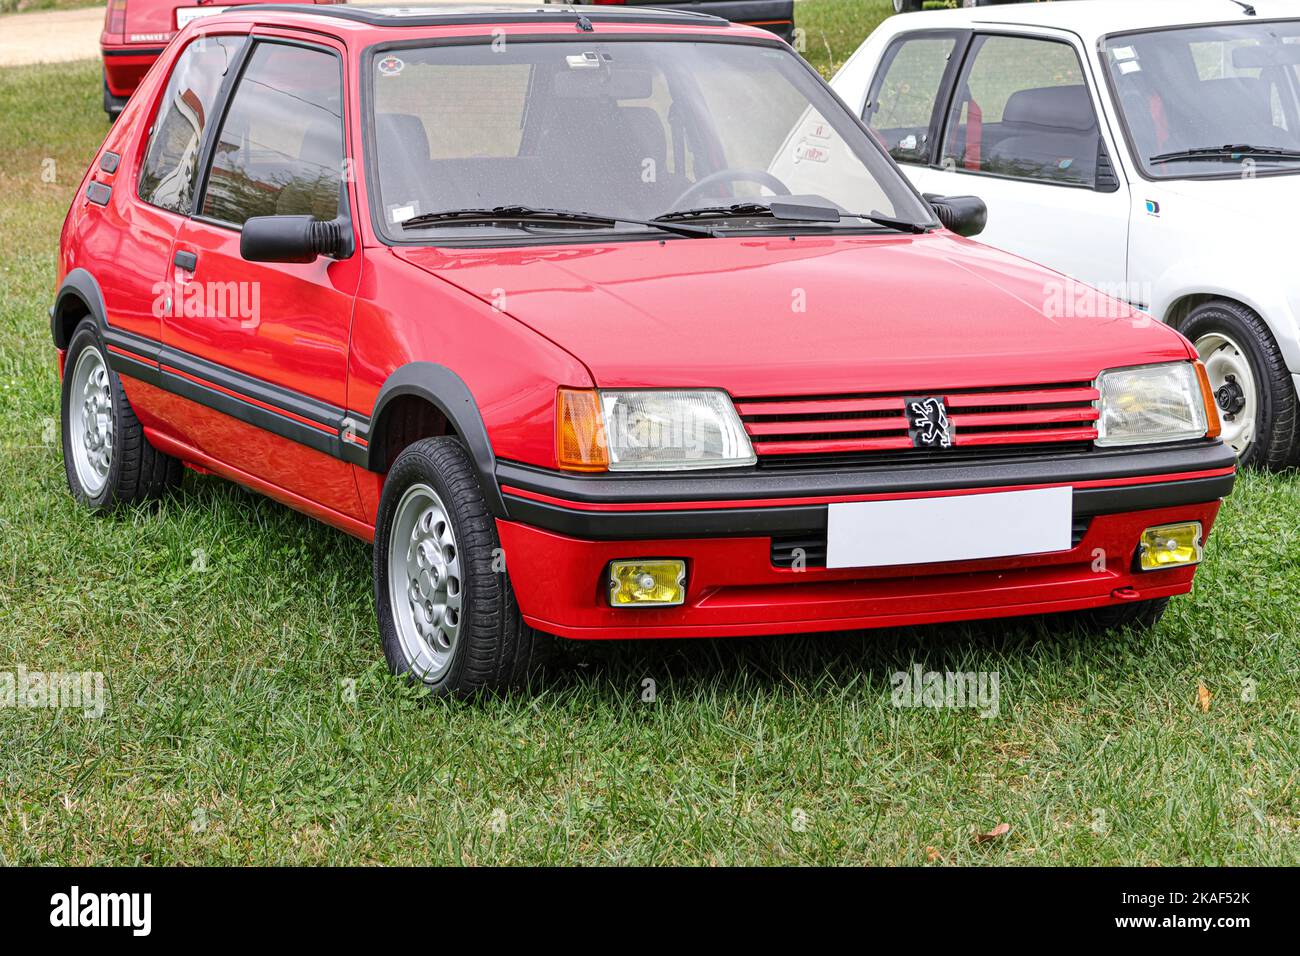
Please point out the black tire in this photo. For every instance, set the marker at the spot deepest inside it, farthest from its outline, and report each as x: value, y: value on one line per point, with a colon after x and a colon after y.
x: 1140, y: 615
x: 1277, y: 424
x: 495, y: 650
x: 137, y: 471
x: 907, y: 6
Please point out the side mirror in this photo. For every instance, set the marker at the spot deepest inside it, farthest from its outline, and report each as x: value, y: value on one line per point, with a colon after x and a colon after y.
x: 964, y: 215
x: 293, y: 239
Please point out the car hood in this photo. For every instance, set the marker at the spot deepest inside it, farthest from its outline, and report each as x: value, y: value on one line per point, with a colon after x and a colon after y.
x: 807, y: 316
x: 1255, y: 201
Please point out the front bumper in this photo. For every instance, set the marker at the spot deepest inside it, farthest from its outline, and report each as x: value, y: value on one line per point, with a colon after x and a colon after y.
x: 561, y: 532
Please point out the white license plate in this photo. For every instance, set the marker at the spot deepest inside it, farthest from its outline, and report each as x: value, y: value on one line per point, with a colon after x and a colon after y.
x: 873, y: 534
x: 185, y: 14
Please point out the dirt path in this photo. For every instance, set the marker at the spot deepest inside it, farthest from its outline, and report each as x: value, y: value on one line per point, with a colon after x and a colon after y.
x: 50, y: 36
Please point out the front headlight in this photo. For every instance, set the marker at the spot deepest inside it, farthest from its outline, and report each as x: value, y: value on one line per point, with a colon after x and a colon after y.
x: 1151, y: 403
x: 649, y: 431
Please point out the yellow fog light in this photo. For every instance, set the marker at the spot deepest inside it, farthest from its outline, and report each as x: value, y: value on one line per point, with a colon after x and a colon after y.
x: 1170, y: 545
x: 650, y: 583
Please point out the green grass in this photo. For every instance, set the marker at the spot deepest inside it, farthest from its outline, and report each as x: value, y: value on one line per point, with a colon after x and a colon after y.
x: 231, y: 735
x: 32, y: 6
x: 833, y: 29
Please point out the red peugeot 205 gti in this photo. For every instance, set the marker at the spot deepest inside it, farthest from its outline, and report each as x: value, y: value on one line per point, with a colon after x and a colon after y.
x: 606, y: 324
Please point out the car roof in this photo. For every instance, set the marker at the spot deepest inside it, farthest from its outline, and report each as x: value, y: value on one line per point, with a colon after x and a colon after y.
x: 442, y: 15
x: 1092, y: 19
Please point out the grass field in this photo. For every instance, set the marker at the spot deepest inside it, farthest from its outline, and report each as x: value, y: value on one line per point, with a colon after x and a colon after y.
x: 250, y: 719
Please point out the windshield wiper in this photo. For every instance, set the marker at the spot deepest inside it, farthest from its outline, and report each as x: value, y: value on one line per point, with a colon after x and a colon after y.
x: 1231, y: 151
x: 554, y: 217
x: 794, y: 209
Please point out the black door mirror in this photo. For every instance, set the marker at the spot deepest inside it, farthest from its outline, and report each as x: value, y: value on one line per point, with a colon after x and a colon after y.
x: 293, y: 239
x: 964, y: 215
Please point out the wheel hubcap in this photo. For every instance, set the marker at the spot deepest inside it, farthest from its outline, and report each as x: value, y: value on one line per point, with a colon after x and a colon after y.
x: 91, y: 428
x: 1234, y: 387
x: 424, y: 581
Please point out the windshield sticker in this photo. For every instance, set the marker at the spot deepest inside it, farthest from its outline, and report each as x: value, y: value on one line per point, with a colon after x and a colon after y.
x: 814, y: 154
x: 583, y: 61
x: 391, y: 66
x: 1130, y: 66
x: 1123, y: 53
x: 402, y: 213
x: 820, y: 130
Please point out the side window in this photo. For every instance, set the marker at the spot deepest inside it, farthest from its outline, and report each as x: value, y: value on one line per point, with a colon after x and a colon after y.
x: 903, y: 95
x: 171, y: 162
x: 1023, y: 110
x: 280, y: 150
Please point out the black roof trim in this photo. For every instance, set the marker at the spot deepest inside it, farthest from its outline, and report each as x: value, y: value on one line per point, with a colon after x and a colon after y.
x: 449, y: 14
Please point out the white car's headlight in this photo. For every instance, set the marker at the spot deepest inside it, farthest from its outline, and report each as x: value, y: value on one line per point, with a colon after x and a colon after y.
x: 1151, y: 403
x: 673, y: 430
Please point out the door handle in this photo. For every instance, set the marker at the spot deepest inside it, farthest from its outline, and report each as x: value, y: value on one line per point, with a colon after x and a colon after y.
x: 189, y: 261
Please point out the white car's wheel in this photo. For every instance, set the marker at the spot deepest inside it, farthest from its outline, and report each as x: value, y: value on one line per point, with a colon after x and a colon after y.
x: 1252, y: 385
x: 907, y: 6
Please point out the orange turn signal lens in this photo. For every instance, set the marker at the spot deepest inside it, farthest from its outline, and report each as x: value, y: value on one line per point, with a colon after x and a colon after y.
x: 580, y: 431
x: 1212, y: 424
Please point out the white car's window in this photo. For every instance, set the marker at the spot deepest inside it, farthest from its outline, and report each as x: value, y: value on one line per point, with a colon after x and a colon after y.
x: 169, y: 171
x: 629, y: 129
x: 1210, y: 101
x: 903, y: 95
x: 1023, y: 110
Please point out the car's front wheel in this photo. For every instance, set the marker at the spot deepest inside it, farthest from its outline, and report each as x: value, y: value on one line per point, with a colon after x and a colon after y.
x: 107, y: 458
x: 447, y: 612
x: 1250, y: 380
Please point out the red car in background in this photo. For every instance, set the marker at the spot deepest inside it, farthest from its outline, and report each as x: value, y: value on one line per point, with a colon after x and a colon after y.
x: 135, y: 32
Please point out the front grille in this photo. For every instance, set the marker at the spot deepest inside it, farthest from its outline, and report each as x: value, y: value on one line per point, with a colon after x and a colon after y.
x: 869, y: 425
x: 813, y: 544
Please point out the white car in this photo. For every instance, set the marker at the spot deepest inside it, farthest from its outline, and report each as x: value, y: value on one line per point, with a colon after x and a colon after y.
x: 1151, y: 150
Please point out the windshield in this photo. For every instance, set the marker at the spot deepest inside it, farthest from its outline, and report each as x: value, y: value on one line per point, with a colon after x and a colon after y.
x: 626, y: 130
x: 1195, y: 91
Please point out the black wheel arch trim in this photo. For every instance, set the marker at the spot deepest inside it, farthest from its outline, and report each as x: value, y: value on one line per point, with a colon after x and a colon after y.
x: 446, y: 391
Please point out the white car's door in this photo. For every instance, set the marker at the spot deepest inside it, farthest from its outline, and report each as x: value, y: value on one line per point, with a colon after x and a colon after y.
x: 1021, y: 131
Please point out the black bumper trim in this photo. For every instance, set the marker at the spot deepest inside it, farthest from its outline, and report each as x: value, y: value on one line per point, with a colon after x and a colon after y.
x: 762, y: 522
x: 752, y: 484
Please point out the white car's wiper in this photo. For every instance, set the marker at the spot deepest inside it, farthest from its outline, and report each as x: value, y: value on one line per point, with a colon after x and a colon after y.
x: 1231, y: 151
x: 534, y: 215
x: 789, y: 210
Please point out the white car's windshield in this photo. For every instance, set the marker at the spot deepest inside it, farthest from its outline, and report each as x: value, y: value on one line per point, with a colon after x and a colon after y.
x: 632, y: 130
x: 1210, y: 101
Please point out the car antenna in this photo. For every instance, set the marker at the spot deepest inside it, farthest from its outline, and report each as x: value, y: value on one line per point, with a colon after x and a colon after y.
x: 1249, y: 10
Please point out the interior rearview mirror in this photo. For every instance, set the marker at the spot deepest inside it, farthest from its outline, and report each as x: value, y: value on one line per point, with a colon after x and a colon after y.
x: 293, y: 239
x: 964, y: 215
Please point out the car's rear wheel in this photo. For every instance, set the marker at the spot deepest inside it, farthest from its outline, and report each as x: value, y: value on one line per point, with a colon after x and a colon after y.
x: 447, y: 612
x: 907, y: 6
x: 1250, y: 380
x: 1141, y: 615
x: 107, y: 458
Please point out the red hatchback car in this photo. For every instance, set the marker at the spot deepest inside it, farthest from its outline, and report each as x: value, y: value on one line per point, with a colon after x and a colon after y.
x: 135, y: 33
x: 610, y: 325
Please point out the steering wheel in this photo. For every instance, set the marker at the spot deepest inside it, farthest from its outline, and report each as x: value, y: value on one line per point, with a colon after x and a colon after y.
x: 696, y: 191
